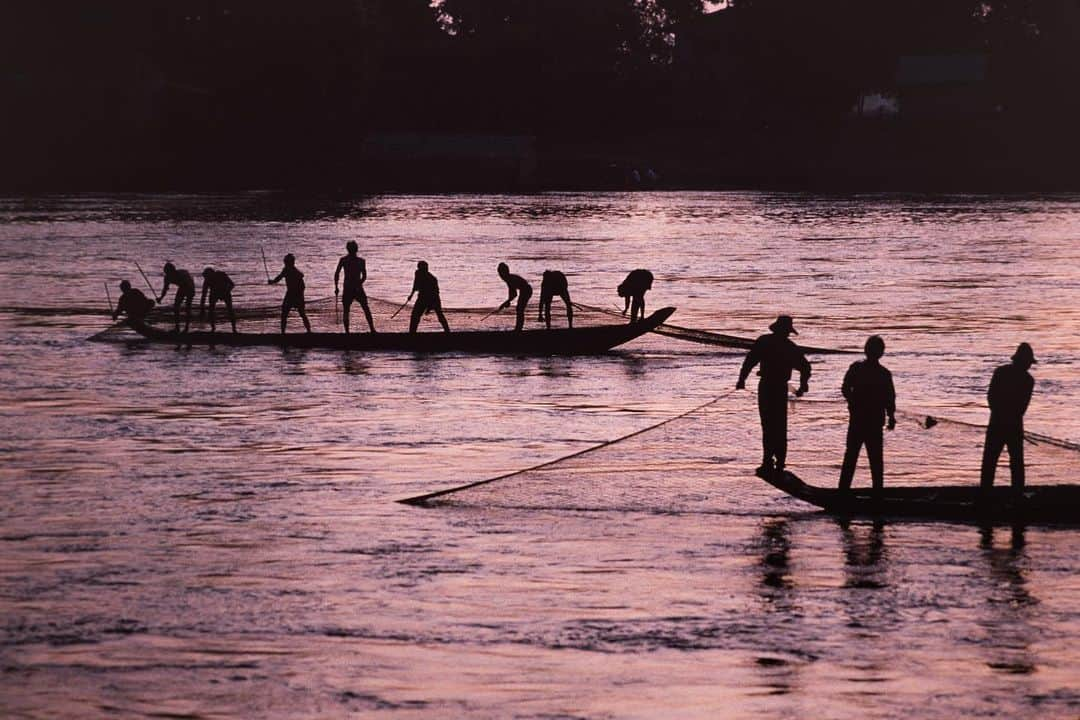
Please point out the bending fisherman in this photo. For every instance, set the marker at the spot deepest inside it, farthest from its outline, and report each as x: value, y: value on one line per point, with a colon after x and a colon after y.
x: 518, y: 288
x: 554, y: 284
x: 1008, y: 396
x: 132, y: 303
x: 868, y: 388
x: 220, y: 287
x: 778, y: 356
x: 294, y: 292
x: 355, y: 274
x: 632, y: 289
x: 426, y: 288
x: 185, y: 293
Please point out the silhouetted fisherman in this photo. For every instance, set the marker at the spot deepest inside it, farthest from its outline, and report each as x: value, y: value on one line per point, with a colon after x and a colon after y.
x: 220, y: 286
x: 868, y: 388
x: 1009, y: 396
x: 132, y: 303
x: 518, y: 288
x: 294, y: 292
x: 355, y: 274
x: 426, y: 288
x: 185, y: 293
x: 633, y: 290
x: 554, y: 284
x: 778, y: 357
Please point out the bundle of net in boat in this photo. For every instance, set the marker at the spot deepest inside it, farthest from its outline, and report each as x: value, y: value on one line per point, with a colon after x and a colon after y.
x: 703, y: 462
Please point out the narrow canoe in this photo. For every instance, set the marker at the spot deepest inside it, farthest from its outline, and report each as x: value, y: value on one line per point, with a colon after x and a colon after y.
x: 558, y: 341
x: 1039, y: 503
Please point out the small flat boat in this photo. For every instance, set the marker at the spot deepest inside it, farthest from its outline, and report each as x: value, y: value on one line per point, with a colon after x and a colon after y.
x: 588, y: 340
x: 1057, y: 504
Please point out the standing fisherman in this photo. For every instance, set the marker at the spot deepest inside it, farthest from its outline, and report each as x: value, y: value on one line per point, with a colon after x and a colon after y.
x: 778, y: 357
x: 633, y: 289
x: 220, y: 287
x: 355, y: 274
x: 868, y: 388
x: 554, y: 283
x: 1009, y: 396
x: 294, y: 292
x: 518, y: 288
x: 133, y: 303
x: 185, y: 293
x: 426, y: 288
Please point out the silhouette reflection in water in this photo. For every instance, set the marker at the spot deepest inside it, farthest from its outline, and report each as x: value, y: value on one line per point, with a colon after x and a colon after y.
x: 783, y: 652
x: 632, y: 290
x: 132, y: 303
x: 1008, y: 396
x: 426, y: 288
x: 553, y: 284
x: 294, y: 292
x: 1009, y: 633
x: 777, y: 356
x: 355, y: 274
x: 519, y: 288
x: 185, y: 293
x: 868, y: 389
x: 220, y: 287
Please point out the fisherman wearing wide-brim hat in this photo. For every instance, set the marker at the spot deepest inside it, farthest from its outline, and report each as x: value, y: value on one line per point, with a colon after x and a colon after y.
x: 778, y: 357
x: 1008, y: 396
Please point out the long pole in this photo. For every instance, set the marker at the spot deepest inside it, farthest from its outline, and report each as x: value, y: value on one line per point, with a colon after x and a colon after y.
x: 400, y: 308
x: 266, y: 268
x: 491, y: 313
x: 109, y: 296
x: 152, y: 291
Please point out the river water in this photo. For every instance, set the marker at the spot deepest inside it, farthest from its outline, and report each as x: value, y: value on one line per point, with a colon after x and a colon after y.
x: 205, y: 533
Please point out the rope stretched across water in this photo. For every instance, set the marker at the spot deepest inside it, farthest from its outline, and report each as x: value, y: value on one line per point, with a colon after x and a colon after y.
x: 425, y: 498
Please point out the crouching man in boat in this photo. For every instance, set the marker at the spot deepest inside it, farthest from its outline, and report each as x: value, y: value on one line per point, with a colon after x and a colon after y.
x: 294, y: 292
x: 778, y: 356
x: 132, y: 303
x: 355, y: 274
x: 554, y: 284
x: 518, y: 288
x: 220, y: 287
x: 868, y: 388
x: 185, y: 293
x: 1009, y: 396
x: 632, y: 289
x: 426, y: 288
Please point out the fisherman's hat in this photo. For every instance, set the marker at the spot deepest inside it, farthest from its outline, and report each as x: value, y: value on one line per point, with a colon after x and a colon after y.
x: 1024, y: 352
x: 783, y: 324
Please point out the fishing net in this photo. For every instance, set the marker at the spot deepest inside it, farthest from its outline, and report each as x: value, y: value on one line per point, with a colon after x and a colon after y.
x: 703, y: 460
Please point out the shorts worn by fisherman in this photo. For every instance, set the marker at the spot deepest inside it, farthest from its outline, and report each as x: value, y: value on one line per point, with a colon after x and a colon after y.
x: 633, y: 289
x: 554, y: 285
x: 1008, y: 396
x: 518, y: 288
x: 185, y: 293
x: 868, y: 388
x: 777, y: 356
x: 355, y: 270
x: 132, y: 303
x: 294, y: 292
x: 219, y: 286
x: 426, y: 287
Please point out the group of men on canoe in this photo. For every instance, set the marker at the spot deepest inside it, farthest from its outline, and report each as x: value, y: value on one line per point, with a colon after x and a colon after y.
x: 219, y: 286
x: 871, y: 399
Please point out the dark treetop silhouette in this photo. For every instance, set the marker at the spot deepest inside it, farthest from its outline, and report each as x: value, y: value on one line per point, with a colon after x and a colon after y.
x: 519, y: 288
x: 868, y: 388
x: 1008, y: 396
x: 554, y: 283
x: 220, y: 287
x: 132, y: 303
x: 294, y: 292
x: 355, y: 274
x: 633, y: 290
x: 778, y: 356
x: 185, y: 293
x: 426, y: 288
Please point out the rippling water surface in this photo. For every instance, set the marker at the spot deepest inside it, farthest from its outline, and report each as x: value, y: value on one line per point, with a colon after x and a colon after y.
x: 213, y: 533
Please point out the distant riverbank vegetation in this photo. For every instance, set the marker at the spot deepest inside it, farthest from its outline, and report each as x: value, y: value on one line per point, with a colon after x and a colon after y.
x: 525, y: 94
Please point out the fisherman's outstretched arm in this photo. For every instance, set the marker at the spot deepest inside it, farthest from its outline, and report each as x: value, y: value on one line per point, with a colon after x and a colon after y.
x: 847, y: 387
x: 752, y: 358
x: 363, y: 270
x: 890, y: 402
x: 276, y: 280
x: 804, y: 373
x: 337, y: 273
x: 164, y: 289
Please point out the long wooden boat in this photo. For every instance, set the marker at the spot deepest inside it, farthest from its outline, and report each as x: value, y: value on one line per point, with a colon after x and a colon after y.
x: 1058, y: 504
x: 557, y: 341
